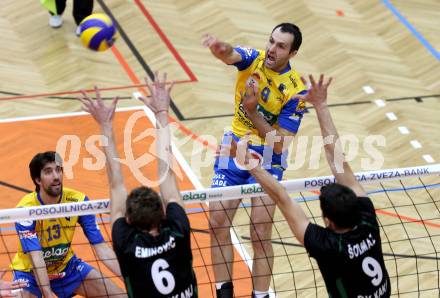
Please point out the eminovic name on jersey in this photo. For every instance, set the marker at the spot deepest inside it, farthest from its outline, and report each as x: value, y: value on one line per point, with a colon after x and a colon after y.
x: 146, y: 252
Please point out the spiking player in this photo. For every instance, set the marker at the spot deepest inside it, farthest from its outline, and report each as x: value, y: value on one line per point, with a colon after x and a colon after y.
x: 273, y: 124
x: 151, y: 233
x: 348, y: 249
x: 45, y: 260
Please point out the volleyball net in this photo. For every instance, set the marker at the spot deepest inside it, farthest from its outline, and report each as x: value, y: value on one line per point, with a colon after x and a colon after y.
x: 406, y: 201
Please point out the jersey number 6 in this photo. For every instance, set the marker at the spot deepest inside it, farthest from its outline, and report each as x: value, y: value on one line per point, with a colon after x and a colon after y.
x: 163, y: 279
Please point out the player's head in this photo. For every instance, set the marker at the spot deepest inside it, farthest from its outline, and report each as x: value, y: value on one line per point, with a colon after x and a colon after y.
x: 283, y: 44
x: 46, y: 171
x: 339, y: 205
x: 144, y: 208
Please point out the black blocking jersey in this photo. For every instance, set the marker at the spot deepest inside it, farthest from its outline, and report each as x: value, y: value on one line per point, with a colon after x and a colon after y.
x: 158, y: 266
x: 351, y: 263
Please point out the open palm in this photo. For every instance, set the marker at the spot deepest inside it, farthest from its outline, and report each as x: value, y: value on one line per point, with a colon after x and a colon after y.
x: 159, y: 99
x: 317, y: 94
x: 102, y: 113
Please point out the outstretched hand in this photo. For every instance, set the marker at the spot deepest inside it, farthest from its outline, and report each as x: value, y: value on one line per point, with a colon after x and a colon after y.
x: 215, y: 45
x: 102, y: 113
x: 317, y: 94
x: 218, y: 48
x: 7, y: 287
x: 209, y: 41
x: 159, y: 99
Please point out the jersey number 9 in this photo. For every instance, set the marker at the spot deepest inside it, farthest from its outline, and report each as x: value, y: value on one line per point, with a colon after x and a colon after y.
x: 372, y: 268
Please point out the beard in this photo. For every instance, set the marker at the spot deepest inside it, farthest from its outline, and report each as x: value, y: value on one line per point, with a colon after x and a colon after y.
x: 54, y: 190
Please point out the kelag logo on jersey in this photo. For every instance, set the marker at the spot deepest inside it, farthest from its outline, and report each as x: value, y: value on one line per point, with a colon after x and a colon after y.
x: 55, y: 253
x: 269, y: 117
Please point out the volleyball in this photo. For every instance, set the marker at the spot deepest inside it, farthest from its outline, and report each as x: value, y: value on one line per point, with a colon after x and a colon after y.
x: 97, y: 32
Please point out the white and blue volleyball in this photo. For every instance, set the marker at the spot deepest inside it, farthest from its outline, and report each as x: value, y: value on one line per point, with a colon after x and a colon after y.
x: 97, y: 32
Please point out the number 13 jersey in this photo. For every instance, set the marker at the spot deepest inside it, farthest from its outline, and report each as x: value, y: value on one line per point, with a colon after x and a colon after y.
x: 53, y: 236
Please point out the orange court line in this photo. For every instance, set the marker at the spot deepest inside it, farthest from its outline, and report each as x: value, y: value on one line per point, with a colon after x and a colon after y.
x: 167, y: 42
x: 409, y: 219
x: 30, y: 96
x: 43, y: 134
x: 135, y: 80
x: 125, y: 65
x: 397, y: 215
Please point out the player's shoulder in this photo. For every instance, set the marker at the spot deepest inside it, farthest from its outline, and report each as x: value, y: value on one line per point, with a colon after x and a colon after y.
x: 249, y: 51
x: 249, y: 57
x: 71, y: 195
x: 29, y: 200
x: 293, y: 81
x: 261, y: 53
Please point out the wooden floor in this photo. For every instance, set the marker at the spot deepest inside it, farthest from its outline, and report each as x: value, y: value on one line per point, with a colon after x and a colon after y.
x: 388, y: 47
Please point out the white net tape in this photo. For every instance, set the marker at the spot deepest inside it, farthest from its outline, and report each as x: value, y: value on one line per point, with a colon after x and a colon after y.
x: 213, y: 194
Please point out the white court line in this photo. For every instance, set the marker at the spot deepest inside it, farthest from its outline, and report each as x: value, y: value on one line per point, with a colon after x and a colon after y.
x: 62, y: 115
x: 198, y: 185
x: 367, y: 89
x: 137, y: 95
x: 416, y: 144
x: 380, y: 102
x: 183, y: 163
x: 404, y: 130
x: 428, y: 158
x: 391, y: 116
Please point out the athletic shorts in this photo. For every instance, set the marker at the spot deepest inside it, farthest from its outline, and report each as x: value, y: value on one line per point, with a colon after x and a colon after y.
x: 64, y: 286
x: 234, y: 175
x: 227, y: 172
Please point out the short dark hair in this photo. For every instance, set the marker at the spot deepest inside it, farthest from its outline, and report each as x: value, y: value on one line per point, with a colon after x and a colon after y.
x: 144, y: 208
x: 294, y: 30
x: 38, y: 162
x: 339, y: 204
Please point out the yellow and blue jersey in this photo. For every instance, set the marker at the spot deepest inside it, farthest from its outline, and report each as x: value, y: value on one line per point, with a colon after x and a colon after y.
x: 277, y: 102
x: 52, y: 236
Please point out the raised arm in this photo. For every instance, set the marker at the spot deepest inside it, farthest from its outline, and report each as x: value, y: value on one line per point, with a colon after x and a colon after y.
x: 291, y: 210
x: 222, y: 50
x: 108, y: 257
x: 342, y: 171
x: 159, y: 103
x: 104, y: 117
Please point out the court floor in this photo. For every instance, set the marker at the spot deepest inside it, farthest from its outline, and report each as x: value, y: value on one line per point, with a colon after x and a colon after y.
x: 42, y: 134
x: 383, y: 55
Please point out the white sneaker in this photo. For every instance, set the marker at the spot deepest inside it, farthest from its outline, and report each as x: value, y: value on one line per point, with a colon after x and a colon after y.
x: 55, y: 21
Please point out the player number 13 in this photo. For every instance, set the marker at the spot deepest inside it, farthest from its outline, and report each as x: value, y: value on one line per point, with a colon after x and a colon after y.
x: 163, y: 279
